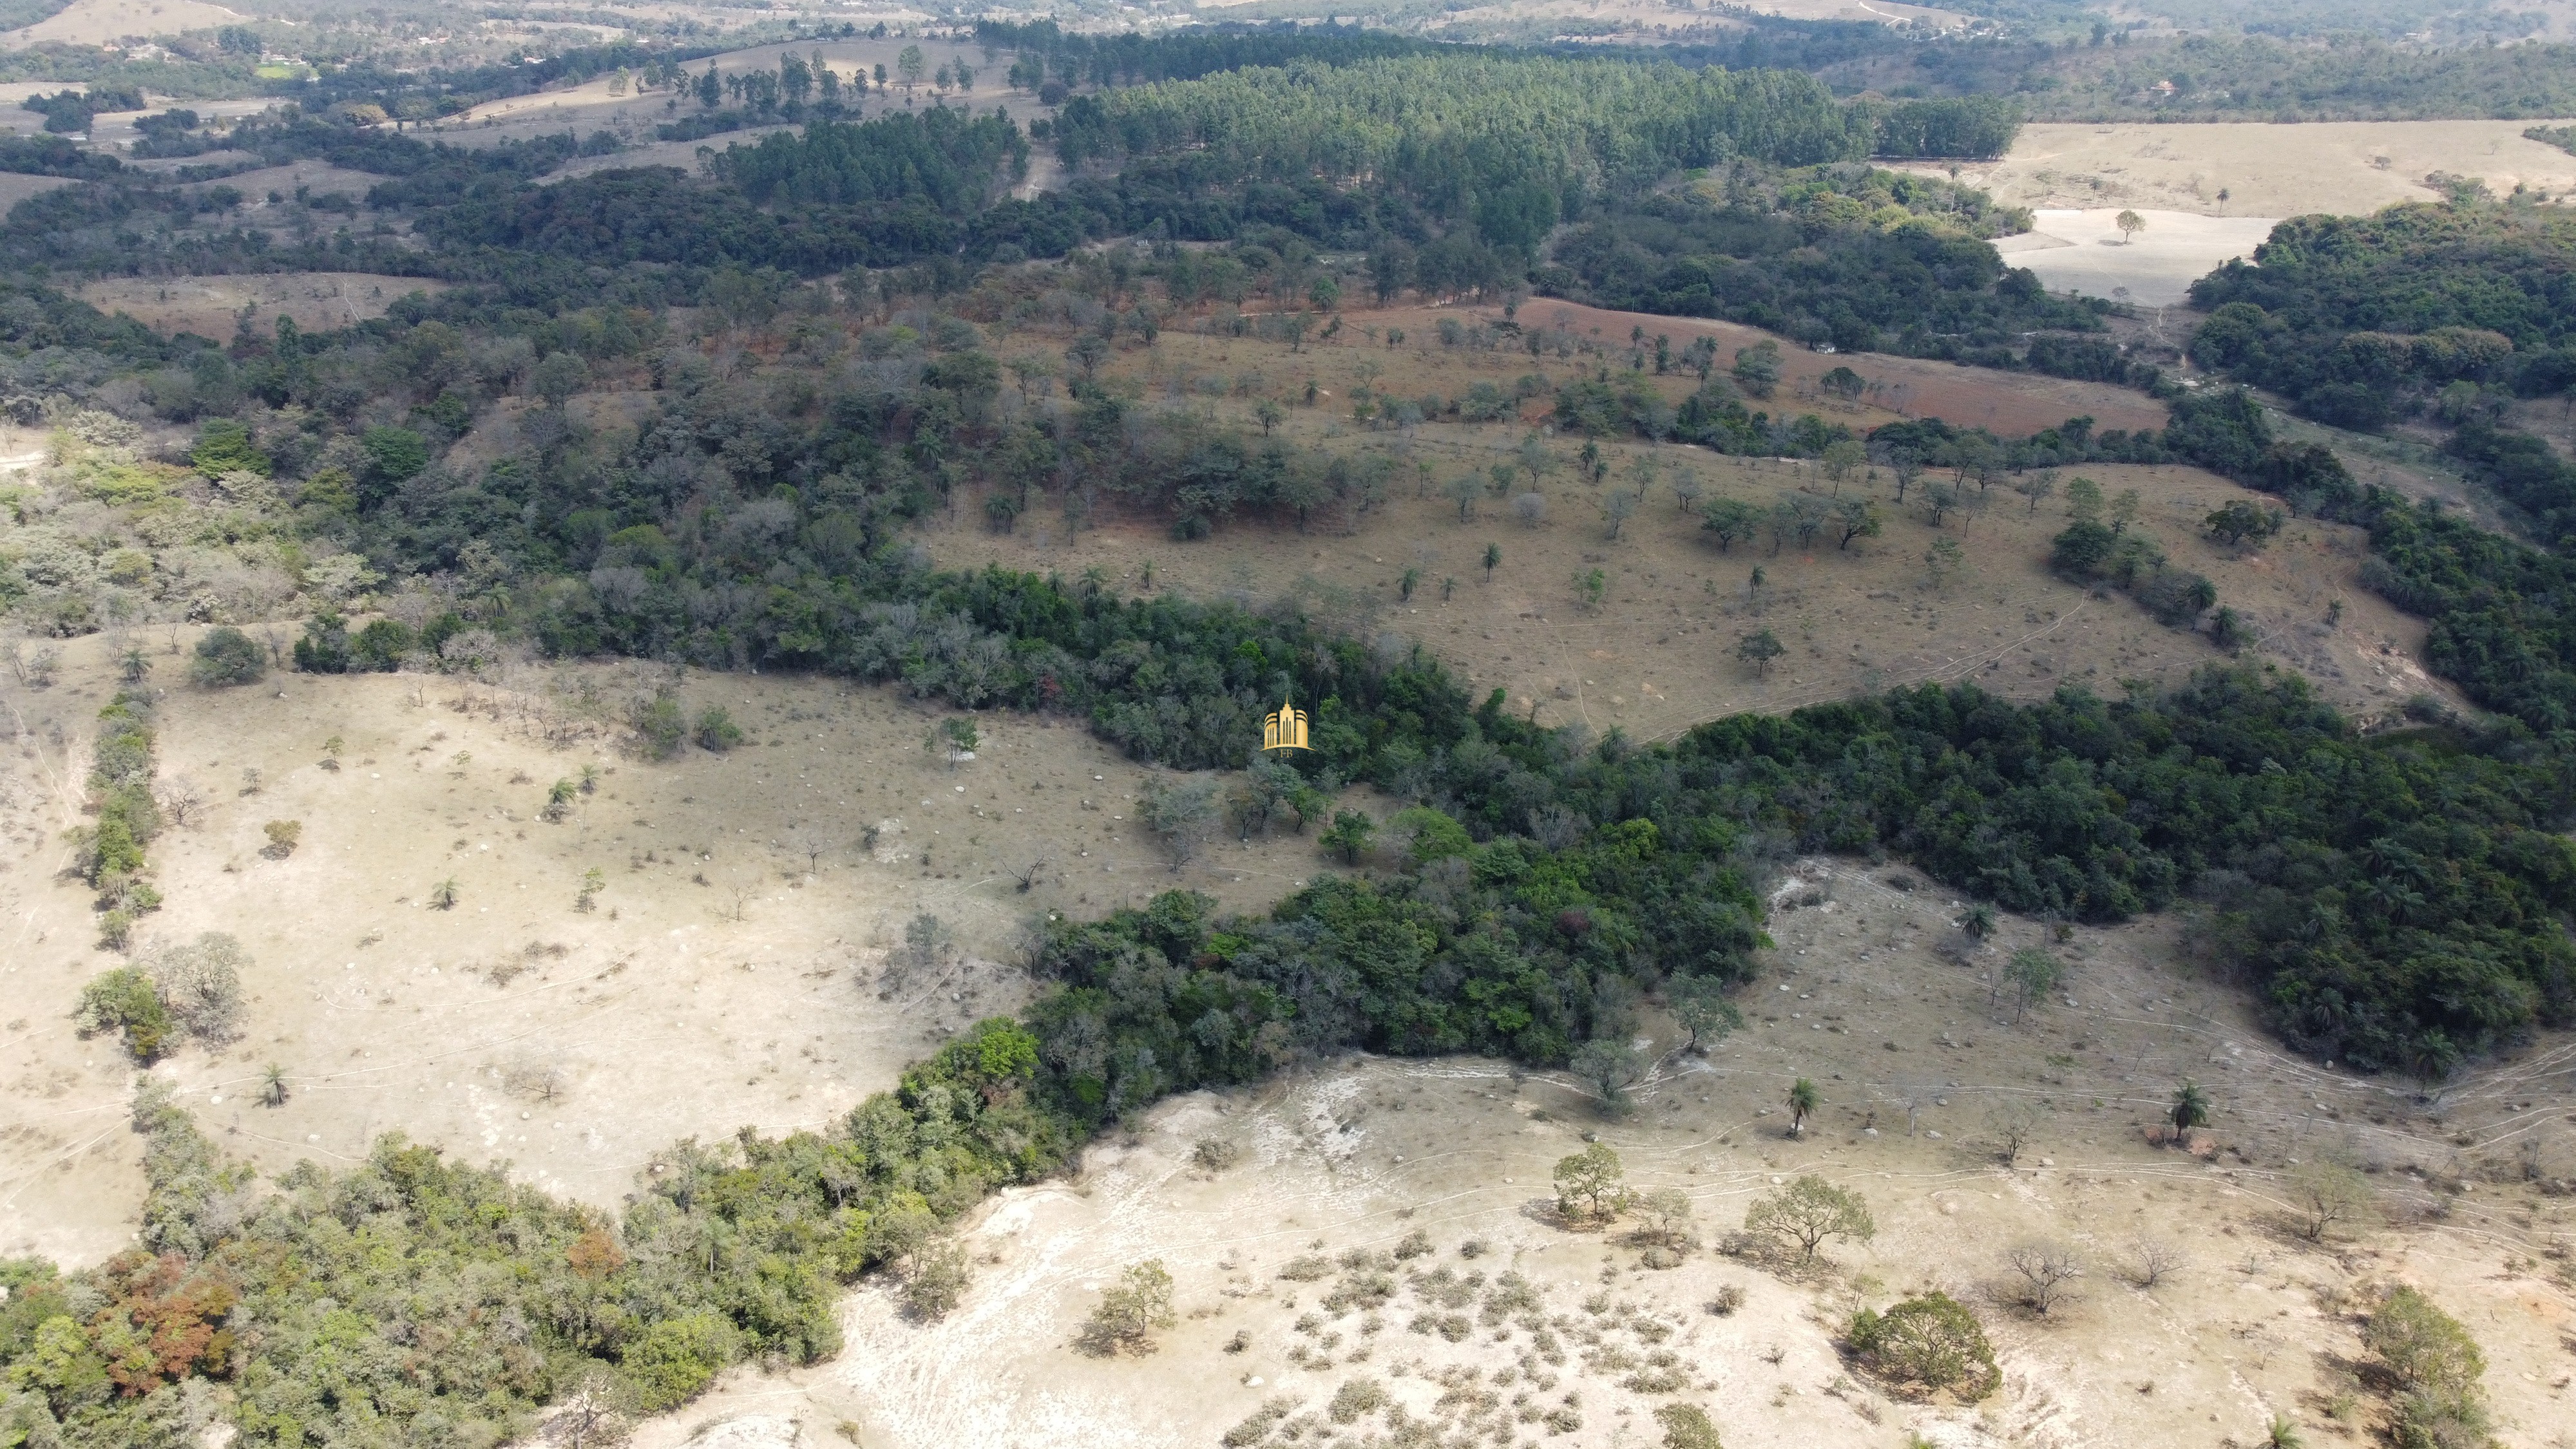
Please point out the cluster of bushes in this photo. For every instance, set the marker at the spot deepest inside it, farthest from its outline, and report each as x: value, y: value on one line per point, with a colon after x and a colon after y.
x: 1716, y: 417
x: 173, y: 994
x: 109, y: 853
x: 2438, y: 1367
x: 380, y: 646
x: 70, y: 110
x: 54, y: 156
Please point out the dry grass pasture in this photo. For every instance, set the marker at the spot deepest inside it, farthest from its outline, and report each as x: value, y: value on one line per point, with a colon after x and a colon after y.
x: 1657, y: 655
x: 208, y: 305
x: 737, y: 968
x: 2250, y: 1321
x: 2345, y: 167
x: 100, y: 22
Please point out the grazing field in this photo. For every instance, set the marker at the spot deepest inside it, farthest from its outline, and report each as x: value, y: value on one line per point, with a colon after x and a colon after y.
x: 208, y: 306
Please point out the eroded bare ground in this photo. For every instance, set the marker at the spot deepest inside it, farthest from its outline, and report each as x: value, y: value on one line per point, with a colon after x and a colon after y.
x: 1356, y: 1156
x: 744, y: 962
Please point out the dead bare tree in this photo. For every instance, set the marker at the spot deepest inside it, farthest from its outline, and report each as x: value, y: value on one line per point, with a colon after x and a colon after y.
x: 2011, y: 1126
x: 1026, y: 877
x: 812, y: 842
x: 2152, y: 1261
x: 2045, y: 1269
x: 183, y: 801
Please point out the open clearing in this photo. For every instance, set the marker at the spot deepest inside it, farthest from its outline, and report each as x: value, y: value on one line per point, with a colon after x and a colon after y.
x: 98, y: 22
x: 731, y: 974
x: 2346, y: 167
x: 1358, y: 1154
x: 208, y: 305
x: 2085, y: 251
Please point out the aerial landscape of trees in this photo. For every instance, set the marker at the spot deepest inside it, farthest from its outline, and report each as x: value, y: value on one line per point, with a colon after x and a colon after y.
x: 2394, y: 898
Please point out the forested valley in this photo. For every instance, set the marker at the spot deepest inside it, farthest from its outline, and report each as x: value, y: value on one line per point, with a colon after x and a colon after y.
x: 2396, y: 899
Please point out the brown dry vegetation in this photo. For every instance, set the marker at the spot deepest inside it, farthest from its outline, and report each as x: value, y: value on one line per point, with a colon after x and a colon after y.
x: 209, y: 306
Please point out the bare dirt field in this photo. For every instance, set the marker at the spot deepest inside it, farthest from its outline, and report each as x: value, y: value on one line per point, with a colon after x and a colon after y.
x: 2085, y: 251
x: 735, y: 971
x: 1348, y: 1161
x: 97, y: 22
x: 1657, y: 655
x: 208, y: 305
x: 2344, y: 167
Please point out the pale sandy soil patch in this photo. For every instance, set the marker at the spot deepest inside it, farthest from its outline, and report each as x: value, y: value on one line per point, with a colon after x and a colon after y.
x: 207, y: 306
x: 734, y: 972
x: 1356, y: 1155
x: 2267, y: 170
x: 2086, y: 252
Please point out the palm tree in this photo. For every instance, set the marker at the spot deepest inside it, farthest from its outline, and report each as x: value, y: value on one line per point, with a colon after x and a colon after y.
x: 1803, y: 1098
x: 2190, y: 1106
x: 1978, y: 923
x: 272, y: 1086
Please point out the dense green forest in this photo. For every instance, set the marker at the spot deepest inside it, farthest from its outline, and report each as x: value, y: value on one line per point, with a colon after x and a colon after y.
x: 2441, y: 309
x: 1871, y: 261
x: 2360, y: 318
